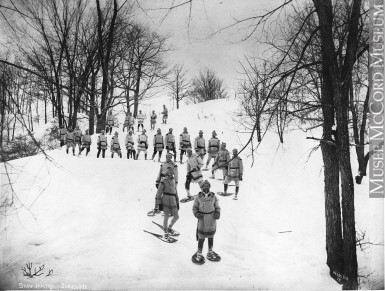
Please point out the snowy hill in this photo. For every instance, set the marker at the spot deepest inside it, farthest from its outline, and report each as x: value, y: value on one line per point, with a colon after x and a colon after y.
x: 84, y: 218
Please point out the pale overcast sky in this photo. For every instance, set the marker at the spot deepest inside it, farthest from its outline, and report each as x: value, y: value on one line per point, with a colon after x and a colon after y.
x: 192, y: 43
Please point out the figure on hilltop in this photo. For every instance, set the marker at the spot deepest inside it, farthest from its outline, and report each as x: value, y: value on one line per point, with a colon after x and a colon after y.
x: 169, y: 141
x: 200, y: 145
x: 141, y: 117
x: 86, y: 143
x: 110, y: 122
x: 158, y: 144
x: 115, y: 145
x: 142, y: 144
x: 102, y: 144
x: 153, y: 120
x: 184, y: 143
x: 70, y: 140
x: 129, y: 143
x: 212, y: 148
x: 165, y: 114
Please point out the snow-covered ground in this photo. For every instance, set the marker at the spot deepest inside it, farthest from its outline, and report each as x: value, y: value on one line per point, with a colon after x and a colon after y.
x: 84, y: 218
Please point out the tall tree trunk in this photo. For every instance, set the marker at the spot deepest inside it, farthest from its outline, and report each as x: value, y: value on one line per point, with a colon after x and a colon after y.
x: 339, y: 81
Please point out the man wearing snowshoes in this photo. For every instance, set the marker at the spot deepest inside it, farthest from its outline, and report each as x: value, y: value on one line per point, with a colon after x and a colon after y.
x: 142, y: 144
x: 86, y: 143
x: 78, y: 137
x: 207, y: 210
x: 115, y: 145
x: 169, y: 141
x: 194, y: 173
x: 70, y: 139
x: 158, y: 144
x: 221, y: 162
x: 62, y: 135
x: 129, y: 143
x: 140, y: 117
x: 168, y: 201
x: 200, y: 145
x: 102, y: 144
x: 162, y: 173
x: 110, y: 122
x: 212, y: 148
x: 153, y: 120
x: 234, y: 173
x: 184, y: 143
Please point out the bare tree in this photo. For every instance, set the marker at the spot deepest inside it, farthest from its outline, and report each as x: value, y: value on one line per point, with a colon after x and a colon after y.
x: 178, y: 85
x: 207, y: 86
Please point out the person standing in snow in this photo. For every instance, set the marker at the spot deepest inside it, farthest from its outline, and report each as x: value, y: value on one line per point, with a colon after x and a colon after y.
x: 158, y: 144
x: 62, y: 135
x: 126, y: 123
x: 129, y: 143
x: 168, y: 201
x: 165, y: 114
x: 131, y: 123
x: 110, y: 122
x: 78, y: 137
x: 70, y: 140
x: 212, y: 148
x: 194, y: 173
x: 153, y: 120
x: 102, y: 144
x: 234, y: 173
x: 141, y: 117
x: 184, y: 143
x: 142, y: 144
x: 206, y: 209
x: 169, y: 141
x: 115, y: 145
x: 200, y: 145
x: 162, y: 173
x: 221, y: 162
x: 86, y: 143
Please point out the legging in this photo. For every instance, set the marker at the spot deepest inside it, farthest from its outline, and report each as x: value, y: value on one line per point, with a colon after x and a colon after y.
x: 103, y: 152
x: 202, y: 240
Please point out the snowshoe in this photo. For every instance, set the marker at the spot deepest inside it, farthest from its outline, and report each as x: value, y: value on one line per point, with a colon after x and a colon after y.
x: 170, y: 231
x: 153, y: 212
x: 213, y: 256
x: 224, y: 194
x: 196, y: 260
x: 187, y: 199
x: 168, y: 239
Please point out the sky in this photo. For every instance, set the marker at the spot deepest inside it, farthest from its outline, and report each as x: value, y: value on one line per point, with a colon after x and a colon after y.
x: 192, y: 39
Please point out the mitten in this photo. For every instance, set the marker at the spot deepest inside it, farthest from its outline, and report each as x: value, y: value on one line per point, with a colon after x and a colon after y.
x: 166, y: 147
x: 217, y: 215
x: 157, y: 185
x: 199, y: 215
x: 240, y: 178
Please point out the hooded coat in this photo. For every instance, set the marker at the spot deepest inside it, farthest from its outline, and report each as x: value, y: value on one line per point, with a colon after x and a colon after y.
x: 207, y: 205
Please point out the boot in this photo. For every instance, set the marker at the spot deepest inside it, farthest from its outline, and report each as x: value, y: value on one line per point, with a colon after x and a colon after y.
x: 145, y: 156
x: 112, y: 156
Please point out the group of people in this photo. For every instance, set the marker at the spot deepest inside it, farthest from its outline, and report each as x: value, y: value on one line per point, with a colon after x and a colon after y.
x: 206, y: 207
x: 129, y: 121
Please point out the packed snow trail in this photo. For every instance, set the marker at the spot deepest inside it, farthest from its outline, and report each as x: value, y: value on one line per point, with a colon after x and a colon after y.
x: 84, y: 217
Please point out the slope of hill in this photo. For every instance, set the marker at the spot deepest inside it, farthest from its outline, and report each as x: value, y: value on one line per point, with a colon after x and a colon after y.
x: 84, y: 218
